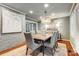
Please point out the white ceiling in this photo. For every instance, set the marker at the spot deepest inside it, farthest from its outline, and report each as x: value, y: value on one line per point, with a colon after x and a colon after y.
x: 59, y: 9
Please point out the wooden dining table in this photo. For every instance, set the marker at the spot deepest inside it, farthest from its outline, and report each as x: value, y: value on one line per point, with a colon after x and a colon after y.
x: 42, y: 38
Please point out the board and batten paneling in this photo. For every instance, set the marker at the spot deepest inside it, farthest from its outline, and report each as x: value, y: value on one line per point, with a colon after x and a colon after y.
x: 10, y: 40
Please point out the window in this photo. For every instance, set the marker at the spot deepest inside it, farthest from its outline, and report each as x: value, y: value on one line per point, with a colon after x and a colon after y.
x: 31, y: 27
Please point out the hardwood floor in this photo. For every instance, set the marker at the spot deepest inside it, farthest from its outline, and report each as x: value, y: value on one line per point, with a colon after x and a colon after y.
x: 68, y: 45
x: 69, y: 48
x: 10, y: 49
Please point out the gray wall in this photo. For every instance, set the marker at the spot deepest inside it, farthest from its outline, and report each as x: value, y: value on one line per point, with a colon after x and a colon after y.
x: 74, y: 28
x: 10, y: 40
x: 64, y: 27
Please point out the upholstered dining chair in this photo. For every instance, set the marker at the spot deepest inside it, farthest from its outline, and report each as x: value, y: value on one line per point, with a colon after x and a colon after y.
x: 30, y: 42
x: 57, y: 37
x: 52, y: 43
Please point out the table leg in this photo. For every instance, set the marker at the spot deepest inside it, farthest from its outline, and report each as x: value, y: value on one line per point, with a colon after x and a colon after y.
x: 43, y: 48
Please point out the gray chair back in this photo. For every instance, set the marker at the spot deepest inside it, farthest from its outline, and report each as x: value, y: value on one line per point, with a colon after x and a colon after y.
x: 57, y: 34
x: 53, y: 38
x: 29, y: 40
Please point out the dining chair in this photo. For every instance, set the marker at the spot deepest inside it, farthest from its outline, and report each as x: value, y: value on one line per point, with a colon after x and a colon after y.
x: 30, y: 42
x: 52, y: 43
x: 57, y: 37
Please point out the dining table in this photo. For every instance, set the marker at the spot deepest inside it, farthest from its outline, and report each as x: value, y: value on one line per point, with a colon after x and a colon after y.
x: 42, y: 37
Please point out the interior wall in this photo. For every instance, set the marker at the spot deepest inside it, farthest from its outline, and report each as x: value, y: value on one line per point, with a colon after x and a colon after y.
x: 12, y: 39
x: 74, y: 31
x: 63, y: 26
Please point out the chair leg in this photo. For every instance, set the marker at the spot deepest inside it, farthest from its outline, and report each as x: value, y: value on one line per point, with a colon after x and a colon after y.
x: 26, y: 50
x: 54, y: 48
x: 52, y: 52
x: 56, y: 45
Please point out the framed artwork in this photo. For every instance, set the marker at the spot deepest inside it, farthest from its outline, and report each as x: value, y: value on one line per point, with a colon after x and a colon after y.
x: 11, y: 21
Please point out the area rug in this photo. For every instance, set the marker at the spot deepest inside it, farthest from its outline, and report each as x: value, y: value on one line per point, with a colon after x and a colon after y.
x: 60, y: 51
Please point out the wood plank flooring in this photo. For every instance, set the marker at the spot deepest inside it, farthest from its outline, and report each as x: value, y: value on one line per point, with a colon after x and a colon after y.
x: 69, y: 48
x: 68, y: 45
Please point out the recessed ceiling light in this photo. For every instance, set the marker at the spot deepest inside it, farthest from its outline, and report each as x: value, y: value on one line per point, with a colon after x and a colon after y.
x: 46, y: 5
x: 30, y: 11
